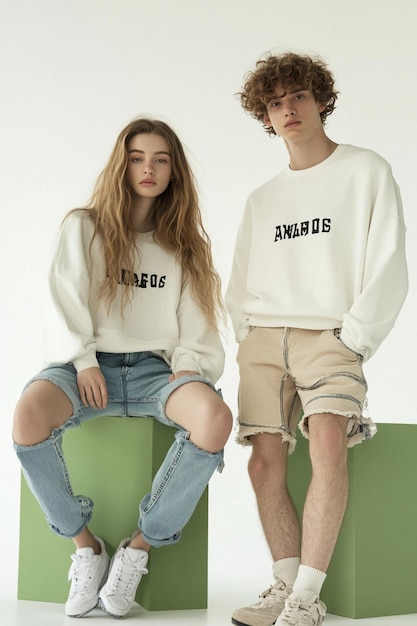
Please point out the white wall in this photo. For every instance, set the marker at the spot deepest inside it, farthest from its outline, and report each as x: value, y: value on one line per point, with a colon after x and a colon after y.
x: 74, y: 72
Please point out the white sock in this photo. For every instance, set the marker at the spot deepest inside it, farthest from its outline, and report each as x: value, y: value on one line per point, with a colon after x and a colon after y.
x: 309, y: 579
x: 286, y: 570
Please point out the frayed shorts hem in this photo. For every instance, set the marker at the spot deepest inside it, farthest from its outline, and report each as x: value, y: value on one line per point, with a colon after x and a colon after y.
x: 246, y: 431
x: 359, y: 429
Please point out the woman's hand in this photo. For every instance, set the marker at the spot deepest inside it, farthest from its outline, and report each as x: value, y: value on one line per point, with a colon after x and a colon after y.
x: 182, y: 373
x: 92, y: 387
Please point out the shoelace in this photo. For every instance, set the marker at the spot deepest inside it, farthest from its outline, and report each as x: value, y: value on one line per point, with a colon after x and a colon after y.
x: 270, y: 596
x: 80, y: 573
x: 126, y: 575
x: 296, y: 613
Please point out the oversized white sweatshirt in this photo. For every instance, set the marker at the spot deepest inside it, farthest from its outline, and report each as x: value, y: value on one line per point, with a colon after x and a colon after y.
x: 162, y: 318
x: 323, y: 248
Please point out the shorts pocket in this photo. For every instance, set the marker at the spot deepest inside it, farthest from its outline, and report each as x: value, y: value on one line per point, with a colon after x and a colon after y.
x: 336, y: 334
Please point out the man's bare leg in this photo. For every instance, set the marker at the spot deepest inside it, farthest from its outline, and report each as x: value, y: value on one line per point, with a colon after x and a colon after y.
x: 268, y: 473
x: 327, y: 495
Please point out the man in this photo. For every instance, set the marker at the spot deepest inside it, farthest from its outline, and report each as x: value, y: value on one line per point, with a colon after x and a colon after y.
x: 318, y: 279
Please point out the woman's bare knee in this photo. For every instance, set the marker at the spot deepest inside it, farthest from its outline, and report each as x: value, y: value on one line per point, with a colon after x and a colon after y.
x: 221, y: 426
x: 199, y: 410
x: 212, y: 428
x: 41, y: 408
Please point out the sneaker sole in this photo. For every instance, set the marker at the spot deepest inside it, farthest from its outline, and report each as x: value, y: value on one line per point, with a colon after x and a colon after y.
x: 83, y: 614
x: 237, y: 623
x: 103, y: 608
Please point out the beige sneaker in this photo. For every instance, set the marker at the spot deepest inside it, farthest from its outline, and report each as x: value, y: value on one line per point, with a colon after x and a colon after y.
x: 302, y: 608
x: 266, y: 611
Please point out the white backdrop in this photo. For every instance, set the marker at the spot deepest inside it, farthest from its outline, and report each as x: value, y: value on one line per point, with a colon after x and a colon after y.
x: 74, y: 72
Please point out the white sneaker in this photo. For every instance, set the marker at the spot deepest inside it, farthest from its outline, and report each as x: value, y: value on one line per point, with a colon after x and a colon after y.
x: 87, y: 573
x: 126, y: 570
x: 302, y: 608
x: 266, y: 611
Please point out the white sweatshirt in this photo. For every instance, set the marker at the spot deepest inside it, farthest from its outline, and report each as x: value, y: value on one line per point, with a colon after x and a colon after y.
x: 323, y: 248
x: 163, y: 317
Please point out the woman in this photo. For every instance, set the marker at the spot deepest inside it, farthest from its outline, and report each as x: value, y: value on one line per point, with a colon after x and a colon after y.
x: 132, y: 331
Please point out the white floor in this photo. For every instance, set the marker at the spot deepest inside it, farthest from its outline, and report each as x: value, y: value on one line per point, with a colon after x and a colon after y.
x: 23, y: 613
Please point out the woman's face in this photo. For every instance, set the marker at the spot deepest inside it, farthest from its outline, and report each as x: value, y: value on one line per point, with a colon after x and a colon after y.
x: 149, y: 167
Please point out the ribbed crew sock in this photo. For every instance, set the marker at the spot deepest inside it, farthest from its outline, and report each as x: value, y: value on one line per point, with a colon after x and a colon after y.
x: 286, y: 570
x: 309, y: 579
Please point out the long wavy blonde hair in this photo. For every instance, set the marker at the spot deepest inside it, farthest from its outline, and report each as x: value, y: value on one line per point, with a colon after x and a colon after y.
x: 177, y: 223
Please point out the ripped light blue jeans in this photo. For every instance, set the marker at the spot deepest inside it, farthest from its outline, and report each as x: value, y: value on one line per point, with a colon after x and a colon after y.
x: 137, y: 386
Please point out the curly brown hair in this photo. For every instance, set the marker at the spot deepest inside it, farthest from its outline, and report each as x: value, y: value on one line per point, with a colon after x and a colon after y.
x: 290, y: 71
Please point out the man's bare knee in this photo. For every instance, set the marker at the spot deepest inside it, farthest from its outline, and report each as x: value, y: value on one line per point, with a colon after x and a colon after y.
x: 328, y: 440
x: 268, y: 461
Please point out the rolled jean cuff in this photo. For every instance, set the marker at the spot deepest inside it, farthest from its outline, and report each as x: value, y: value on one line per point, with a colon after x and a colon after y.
x: 176, y: 490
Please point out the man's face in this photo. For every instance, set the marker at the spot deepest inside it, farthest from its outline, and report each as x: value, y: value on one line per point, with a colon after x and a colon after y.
x: 294, y: 114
